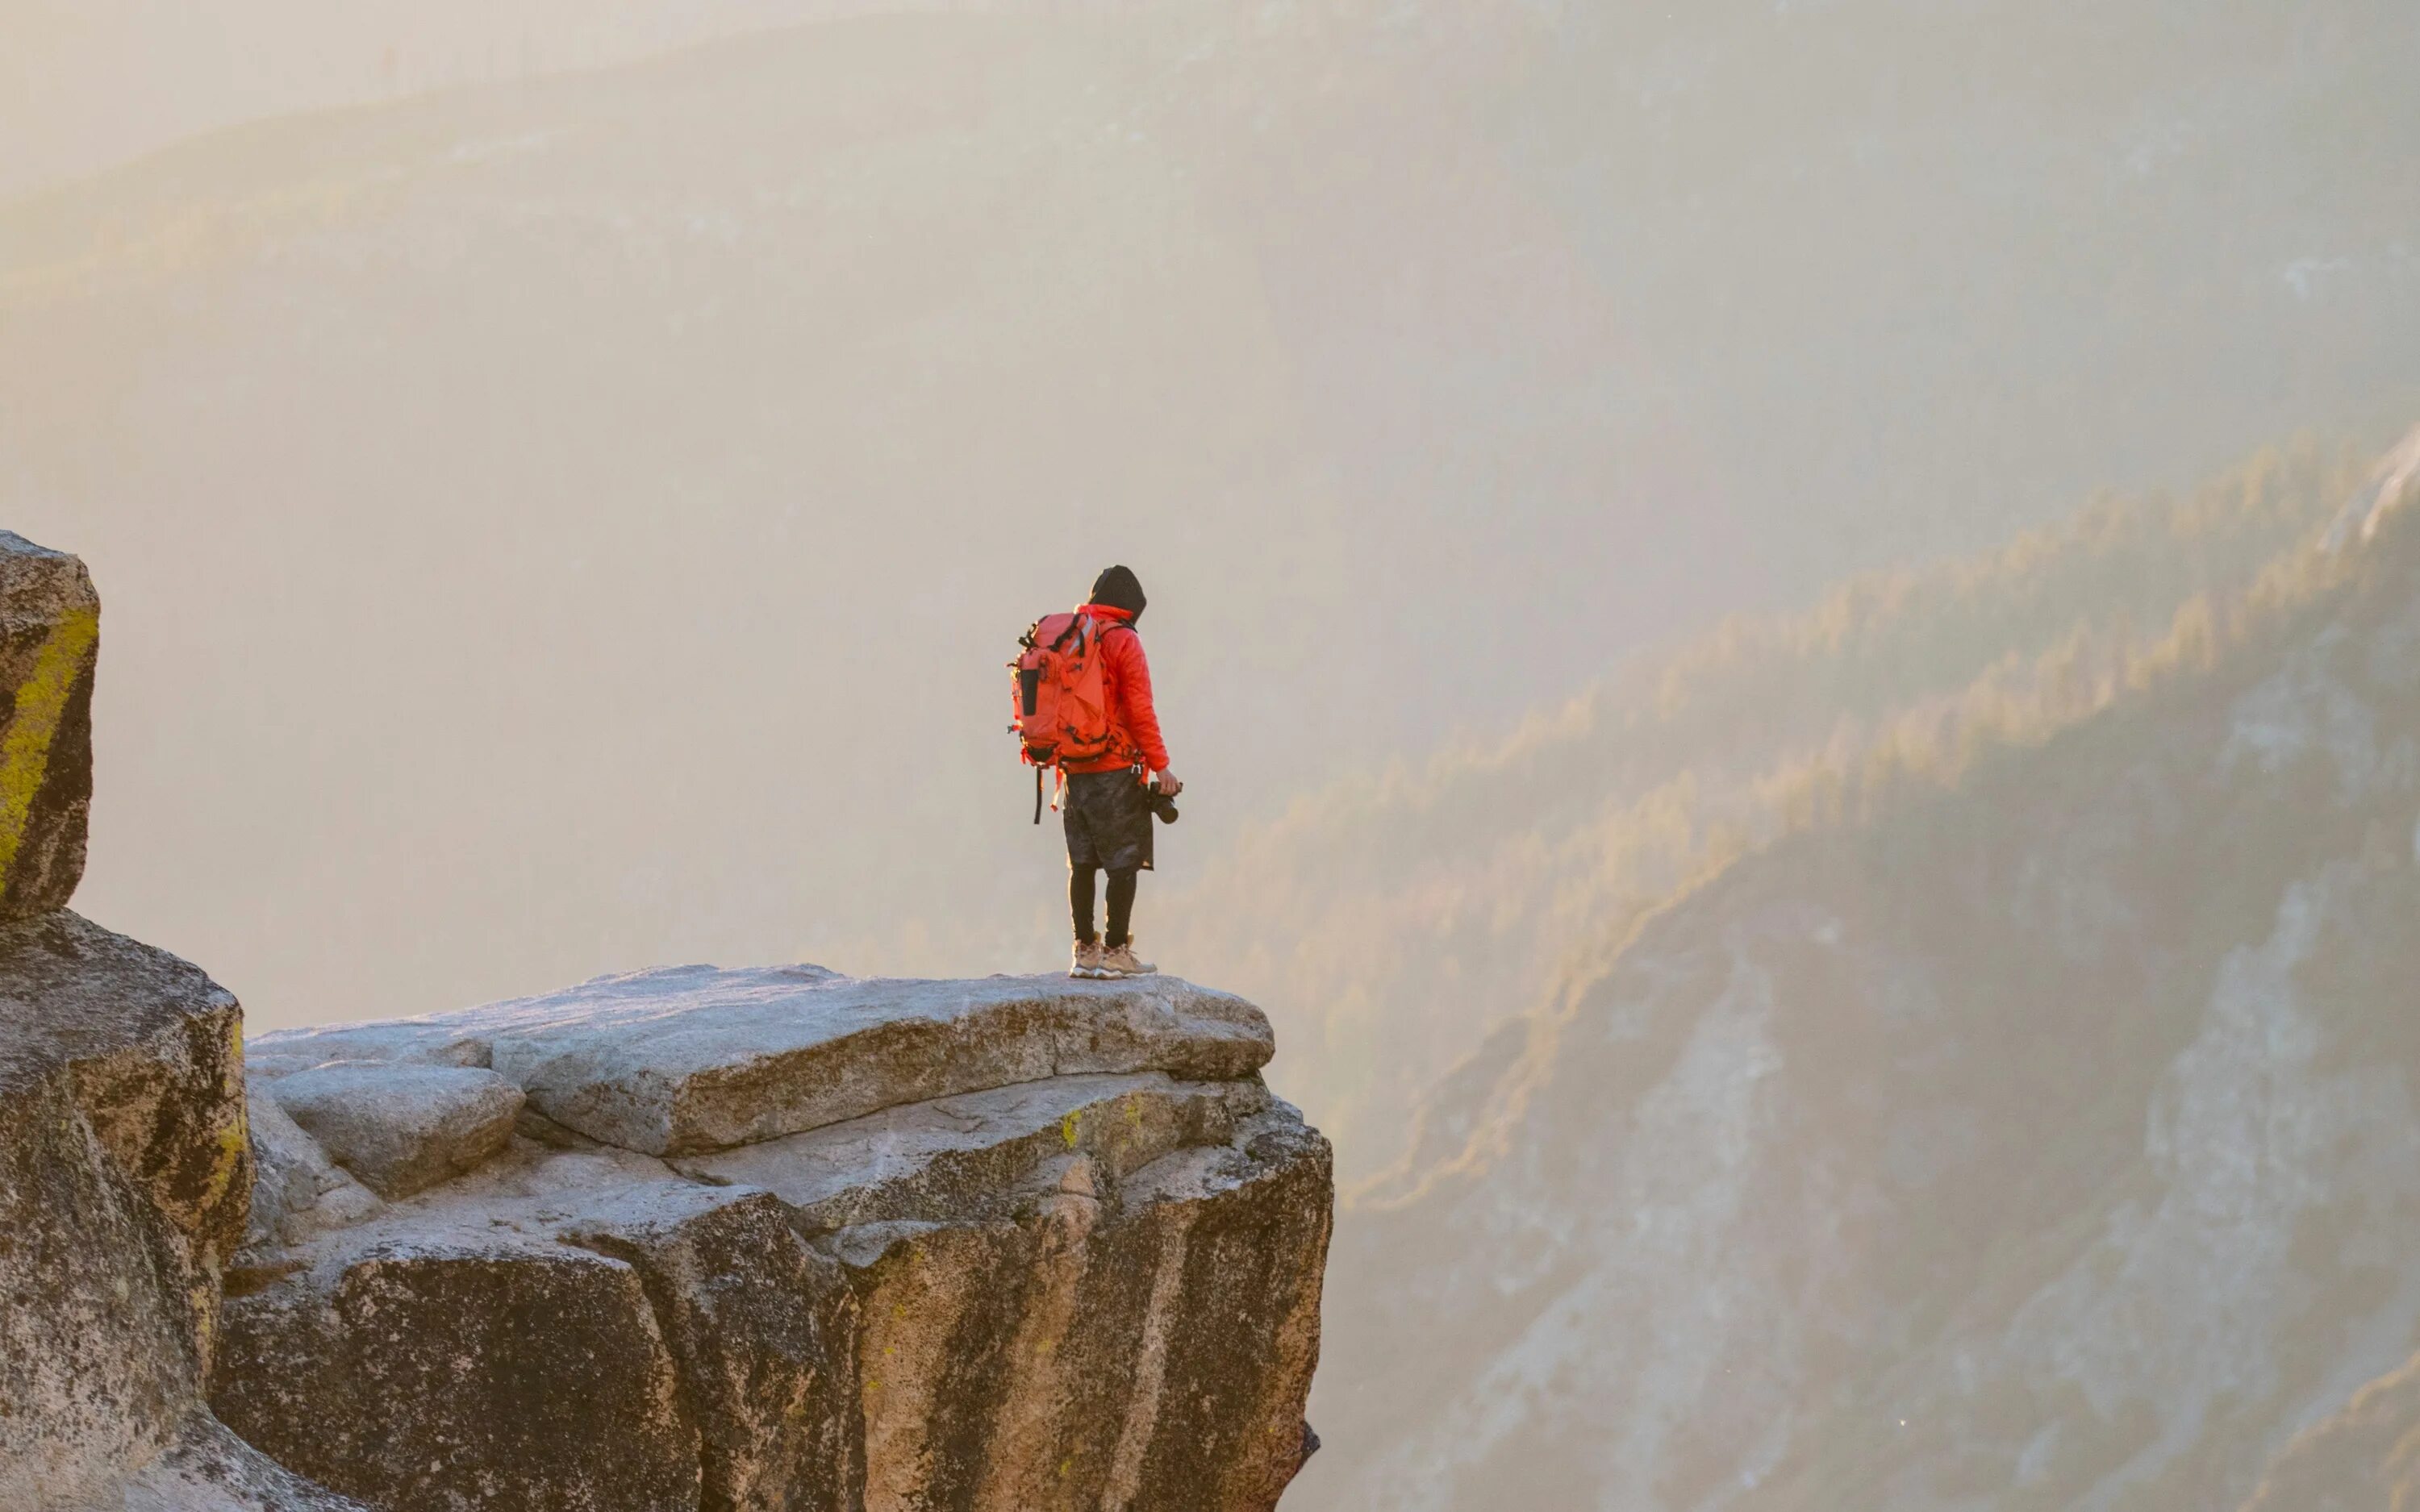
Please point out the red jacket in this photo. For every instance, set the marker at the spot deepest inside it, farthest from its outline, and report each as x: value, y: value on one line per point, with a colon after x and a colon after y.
x: 1126, y: 677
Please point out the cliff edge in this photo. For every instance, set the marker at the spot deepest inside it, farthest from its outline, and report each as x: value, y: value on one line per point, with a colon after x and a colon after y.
x: 125, y: 1169
x: 783, y: 1238
x: 770, y: 1240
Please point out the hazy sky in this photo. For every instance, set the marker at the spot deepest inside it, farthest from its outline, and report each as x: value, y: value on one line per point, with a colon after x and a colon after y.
x: 563, y: 477
x: 86, y: 84
x: 576, y: 521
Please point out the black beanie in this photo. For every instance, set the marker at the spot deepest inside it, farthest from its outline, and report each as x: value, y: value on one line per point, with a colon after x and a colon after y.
x: 1119, y: 588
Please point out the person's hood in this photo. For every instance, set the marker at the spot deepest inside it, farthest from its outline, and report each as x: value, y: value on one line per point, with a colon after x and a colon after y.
x: 1118, y: 588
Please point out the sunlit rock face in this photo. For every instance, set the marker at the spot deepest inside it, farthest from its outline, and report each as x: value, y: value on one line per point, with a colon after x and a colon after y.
x: 685, y: 1239
x: 49, y: 643
x: 125, y: 1166
x: 781, y: 1238
x: 124, y: 1172
x: 2045, y: 1141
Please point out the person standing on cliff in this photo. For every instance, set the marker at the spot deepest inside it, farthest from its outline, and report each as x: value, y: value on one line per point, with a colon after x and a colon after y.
x: 1108, y: 809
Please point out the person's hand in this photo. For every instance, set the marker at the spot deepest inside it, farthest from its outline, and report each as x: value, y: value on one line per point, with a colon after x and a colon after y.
x: 1170, y: 784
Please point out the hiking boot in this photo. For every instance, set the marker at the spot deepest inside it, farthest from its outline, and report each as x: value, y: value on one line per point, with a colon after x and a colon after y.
x: 1088, y: 960
x: 1121, y: 960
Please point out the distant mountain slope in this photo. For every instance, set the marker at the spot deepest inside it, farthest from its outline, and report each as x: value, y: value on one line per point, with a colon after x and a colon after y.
x: 87, y: 85
x: 2365, y: 1458
x: 2043, y: 1141
x: 637, y: 473
x: 1392, y: 922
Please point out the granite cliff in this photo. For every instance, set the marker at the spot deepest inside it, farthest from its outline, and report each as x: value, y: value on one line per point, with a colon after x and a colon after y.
x: 125, y: 1168
x: 783, y: 1238
x: 2029, y: 1129
x: 688, y: 1239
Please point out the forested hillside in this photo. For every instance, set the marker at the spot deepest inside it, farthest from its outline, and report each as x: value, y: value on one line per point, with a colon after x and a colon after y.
x: 2026, y: 1126
x: 1391, y: 922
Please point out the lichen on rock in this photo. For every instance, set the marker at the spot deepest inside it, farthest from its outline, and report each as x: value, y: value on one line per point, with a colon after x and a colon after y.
x: 49, y: 643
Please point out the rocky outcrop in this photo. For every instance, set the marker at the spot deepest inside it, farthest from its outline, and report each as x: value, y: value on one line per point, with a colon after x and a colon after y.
x: 125, y: 1165
x: 124, y: 1170
x: 1096, y: 1284
x: 695, y: 1058
x: 785, y: 1240
x: 770, y: 1241
x: 50, y: 641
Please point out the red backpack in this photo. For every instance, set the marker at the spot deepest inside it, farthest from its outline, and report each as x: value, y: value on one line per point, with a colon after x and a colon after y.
x: 1060, y: 709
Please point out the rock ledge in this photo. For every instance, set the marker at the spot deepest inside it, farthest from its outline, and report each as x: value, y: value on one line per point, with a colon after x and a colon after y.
x: 780, y: 1239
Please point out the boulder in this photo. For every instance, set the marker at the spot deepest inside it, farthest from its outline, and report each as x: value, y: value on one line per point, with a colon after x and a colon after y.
x: 148, y: 1052
x: 50, y: 643
x: 402, y: 1128
x: 693, y: 1059
x: 1073, y: 1287
x: 96, y: 1349
x: 124, y: 1170
x: 463, y: 1370
x: 296, y: 1190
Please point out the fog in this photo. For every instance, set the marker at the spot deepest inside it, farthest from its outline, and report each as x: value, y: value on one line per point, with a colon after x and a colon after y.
x: 565, y: 524
x: 86, y: 86
x: 564, y: 481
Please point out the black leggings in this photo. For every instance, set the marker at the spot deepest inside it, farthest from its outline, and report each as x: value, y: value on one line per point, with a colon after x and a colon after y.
x: 1122, y: 896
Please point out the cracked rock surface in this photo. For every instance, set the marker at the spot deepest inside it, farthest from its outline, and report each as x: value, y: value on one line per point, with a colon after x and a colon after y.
x: 124, y: 1169
x: 692, y: 1058
x: 785, y: 1240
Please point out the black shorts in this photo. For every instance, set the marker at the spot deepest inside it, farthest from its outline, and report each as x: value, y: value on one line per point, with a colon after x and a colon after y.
x: 1107, y: 819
